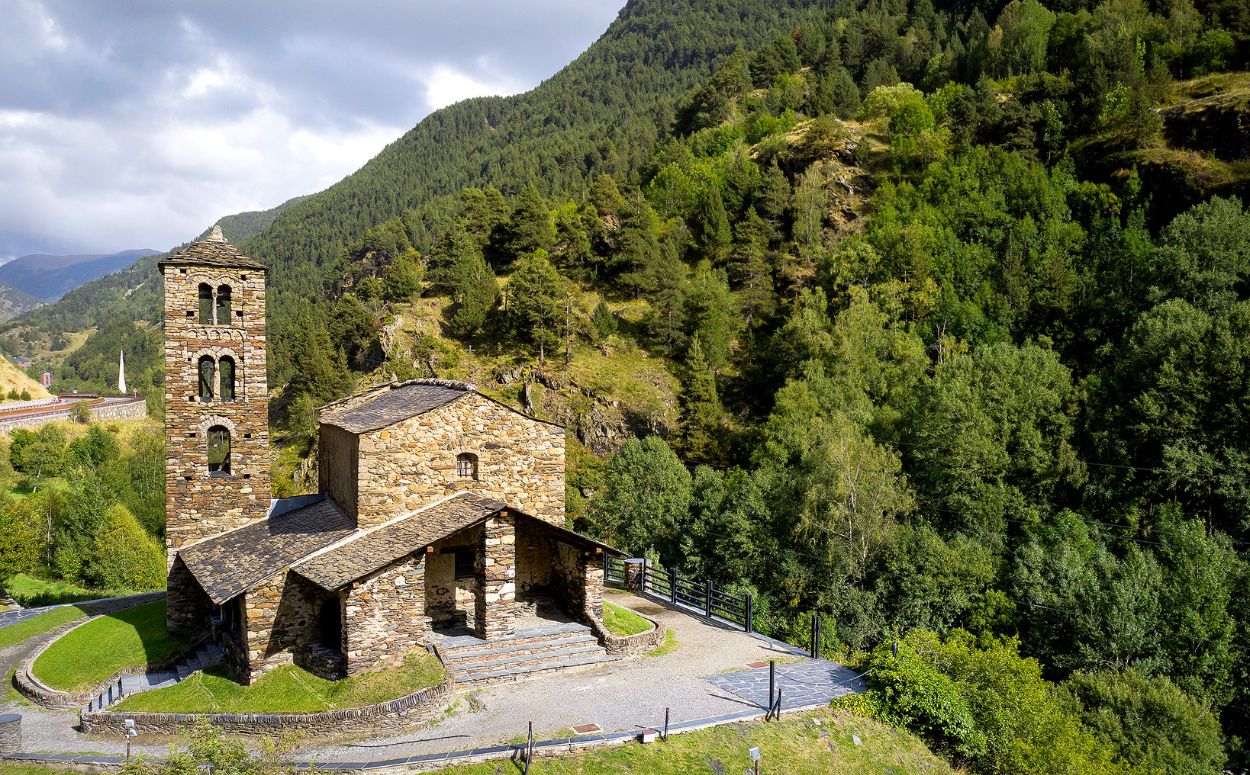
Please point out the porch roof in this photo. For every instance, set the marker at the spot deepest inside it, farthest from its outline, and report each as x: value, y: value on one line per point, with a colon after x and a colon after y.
x: 234, y: 562
x: 367, y: 551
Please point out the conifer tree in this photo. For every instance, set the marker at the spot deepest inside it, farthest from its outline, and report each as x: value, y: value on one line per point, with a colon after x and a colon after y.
x: 531, y: 227
x: 702, y: 413
x: 536, y: 298
x: 603, y: 321
x: 473, y: 292
x: 751, y: 268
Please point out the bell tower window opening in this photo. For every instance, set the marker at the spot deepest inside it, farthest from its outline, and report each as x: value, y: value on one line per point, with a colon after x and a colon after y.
x: 225, y: 373
x: 218, y: 451
x: 207, y: 371
x: 466, y: 466
x: 222, y: 317
x: 206, y: 304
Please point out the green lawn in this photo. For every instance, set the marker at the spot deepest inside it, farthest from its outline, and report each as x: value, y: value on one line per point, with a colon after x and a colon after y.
x: 30, y: 592
x: 818, y: 743
x: 87, y: 656
x: 667, y: 647
x: 289, y: 689
x: 37, y: 625
x: 623, y: 621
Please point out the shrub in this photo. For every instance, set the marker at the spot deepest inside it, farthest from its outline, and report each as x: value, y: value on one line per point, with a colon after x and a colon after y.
x: 123, y: 556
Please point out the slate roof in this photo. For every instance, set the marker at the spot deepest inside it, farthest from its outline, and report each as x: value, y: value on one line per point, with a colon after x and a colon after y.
x: 370, y: 550
x: 213, y: 250
x: 378, y: 547
x: 393, y: 404
x: 234, y: 562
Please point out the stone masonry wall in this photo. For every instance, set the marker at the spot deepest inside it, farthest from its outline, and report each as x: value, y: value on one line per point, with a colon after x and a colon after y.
x: 196, y: 505
x: 385, y: 616
x: 580, y: 577
x: 495, y: 615
x: 336, y: 470
x: 447, y: 598
x: 534, y: 553
x: 188, y: 609
x: 133, y: 409
x: 281, y: 616
x: 413, y: 463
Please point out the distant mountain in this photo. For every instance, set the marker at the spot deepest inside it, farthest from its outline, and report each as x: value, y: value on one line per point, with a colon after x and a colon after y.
x: 50, y: 277
x: 14, y: 302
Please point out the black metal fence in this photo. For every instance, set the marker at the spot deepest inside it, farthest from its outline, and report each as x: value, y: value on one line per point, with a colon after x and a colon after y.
x: 702, y: 597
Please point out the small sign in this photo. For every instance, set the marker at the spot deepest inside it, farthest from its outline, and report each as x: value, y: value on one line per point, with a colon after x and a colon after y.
x: 586, y: 729
x: 755, y: 754
x: 130, y: 723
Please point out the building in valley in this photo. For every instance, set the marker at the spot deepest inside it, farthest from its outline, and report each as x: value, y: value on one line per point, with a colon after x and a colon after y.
x: 440, y: 510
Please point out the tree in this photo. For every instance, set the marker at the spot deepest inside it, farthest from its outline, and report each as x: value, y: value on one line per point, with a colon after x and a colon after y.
x: 727, y: 511
x: 474, y: 291
x: 123, y: 555
x: 1150, y: 722
x: 95, y: 449
x: 712, y: 225
x: 531, y: 228
x: 603, y: 321
x: 22, y: 536
x: 536, y: 296
x: 402, y: 279
x: 703, y: 417
x: 1018, y: 45
x: 711, y: 314
x: 645, y: 500
x: 38, y: 454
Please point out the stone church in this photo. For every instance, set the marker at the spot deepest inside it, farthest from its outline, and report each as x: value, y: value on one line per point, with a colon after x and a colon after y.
x: 440, y: 509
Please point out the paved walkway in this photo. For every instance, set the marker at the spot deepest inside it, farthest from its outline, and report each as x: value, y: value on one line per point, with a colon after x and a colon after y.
x: 708, y: 676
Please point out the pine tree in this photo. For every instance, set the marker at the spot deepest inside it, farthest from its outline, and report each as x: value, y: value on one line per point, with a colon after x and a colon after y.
x: 531, y: 227
x: 638, y: 246
x: 752, y: 270
x: 473, y: 291
x: 713, y: 226
x: 702, y: 414
x: 536, y: 302
x: 603, y: 321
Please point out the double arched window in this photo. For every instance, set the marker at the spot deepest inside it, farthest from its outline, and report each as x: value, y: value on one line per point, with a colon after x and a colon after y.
x: 216, y: 378
x: 219, y: 451
x: 215, y: 306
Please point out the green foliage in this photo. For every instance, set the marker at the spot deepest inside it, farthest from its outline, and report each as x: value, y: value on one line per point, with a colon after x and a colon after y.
x: 645, y: 498
x: 985, y: 704
x: 88, y: 655
x: 603, y: 321
x: 124, y: 556
x: 536, y: 302
x: 623, y: 621
x: 1151, y: 723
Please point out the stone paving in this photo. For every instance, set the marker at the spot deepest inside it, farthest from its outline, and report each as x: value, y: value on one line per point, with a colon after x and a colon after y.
x: 811, y: 682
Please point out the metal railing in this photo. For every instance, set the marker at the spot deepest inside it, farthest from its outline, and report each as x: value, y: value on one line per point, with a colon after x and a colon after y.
x: 701, y: 596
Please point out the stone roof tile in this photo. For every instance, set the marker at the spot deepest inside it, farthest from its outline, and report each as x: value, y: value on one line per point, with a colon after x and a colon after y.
x: 234, y: 562
x: 393, y: 404
x: 375, y: 548
x: 213, y: 250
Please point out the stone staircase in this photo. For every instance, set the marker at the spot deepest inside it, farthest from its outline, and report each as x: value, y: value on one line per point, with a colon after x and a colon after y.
x: 532, y: 651
x: 205, y: 656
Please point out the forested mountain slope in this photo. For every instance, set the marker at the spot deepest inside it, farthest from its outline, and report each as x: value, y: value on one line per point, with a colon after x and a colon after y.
x: 50, y: 277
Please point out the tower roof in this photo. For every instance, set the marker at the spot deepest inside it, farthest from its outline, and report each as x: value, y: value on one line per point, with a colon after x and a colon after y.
x: 213, y: 250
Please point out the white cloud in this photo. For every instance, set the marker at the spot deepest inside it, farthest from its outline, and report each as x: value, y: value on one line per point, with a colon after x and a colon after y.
x: 139, y: 124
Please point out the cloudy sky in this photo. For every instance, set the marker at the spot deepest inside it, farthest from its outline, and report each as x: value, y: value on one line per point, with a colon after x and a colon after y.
x: 128, y: 124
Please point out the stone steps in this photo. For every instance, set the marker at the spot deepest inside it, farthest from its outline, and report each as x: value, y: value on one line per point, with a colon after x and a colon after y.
x: 476, y: 662
x: 206, y: 656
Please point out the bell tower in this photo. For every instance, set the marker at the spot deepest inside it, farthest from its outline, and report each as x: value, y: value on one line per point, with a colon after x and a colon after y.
x: 216, y: 397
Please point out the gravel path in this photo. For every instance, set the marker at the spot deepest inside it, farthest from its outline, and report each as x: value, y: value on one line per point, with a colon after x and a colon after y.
x: 618, y: 696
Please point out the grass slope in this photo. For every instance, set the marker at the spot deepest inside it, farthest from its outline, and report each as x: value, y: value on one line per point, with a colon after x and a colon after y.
x: 623, y: 621
x: 90, y: 654
x: 289, y: 689
x: 30, y: 592
x: 13, y: 378
x: 37, y: 625
x: 817, y: 743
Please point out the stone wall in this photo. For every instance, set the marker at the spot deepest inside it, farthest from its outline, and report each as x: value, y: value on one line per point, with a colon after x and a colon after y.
x: 280, y: 616
x: 579, y: 576
x: 131, y: 409
x: 413, y: 463
x: 416, y: 708
x: 534, y: 552
x: 450, y: 599
x: 385, y: 615
x: 198, y: 505
x: 189, y: 608
x: 336, y: 467
x: 496, y: 574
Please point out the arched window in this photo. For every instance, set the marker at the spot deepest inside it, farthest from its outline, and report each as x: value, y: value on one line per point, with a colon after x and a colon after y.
x: 218, y: 450
x: 226, y: 375
x: 466, y: 466
x: 206, y: 304
x: 223, y: 305
x: 207, y: 376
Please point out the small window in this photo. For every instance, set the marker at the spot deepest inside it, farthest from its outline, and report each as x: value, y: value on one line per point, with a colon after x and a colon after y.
x: 223, y: 305
x: 218, y: 451
x: 466, y: 466
x: 207, y: 371
x: 206, y: 304
x: 226, y: 373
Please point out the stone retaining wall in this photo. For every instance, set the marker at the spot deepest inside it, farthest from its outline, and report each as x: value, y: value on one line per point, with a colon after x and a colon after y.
x: 135, y: 409
x: 621, y: 645
x: 42, y: 694
x: 415, y: 708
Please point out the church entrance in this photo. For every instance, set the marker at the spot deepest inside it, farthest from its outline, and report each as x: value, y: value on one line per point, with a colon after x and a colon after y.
x: 330, y: 623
